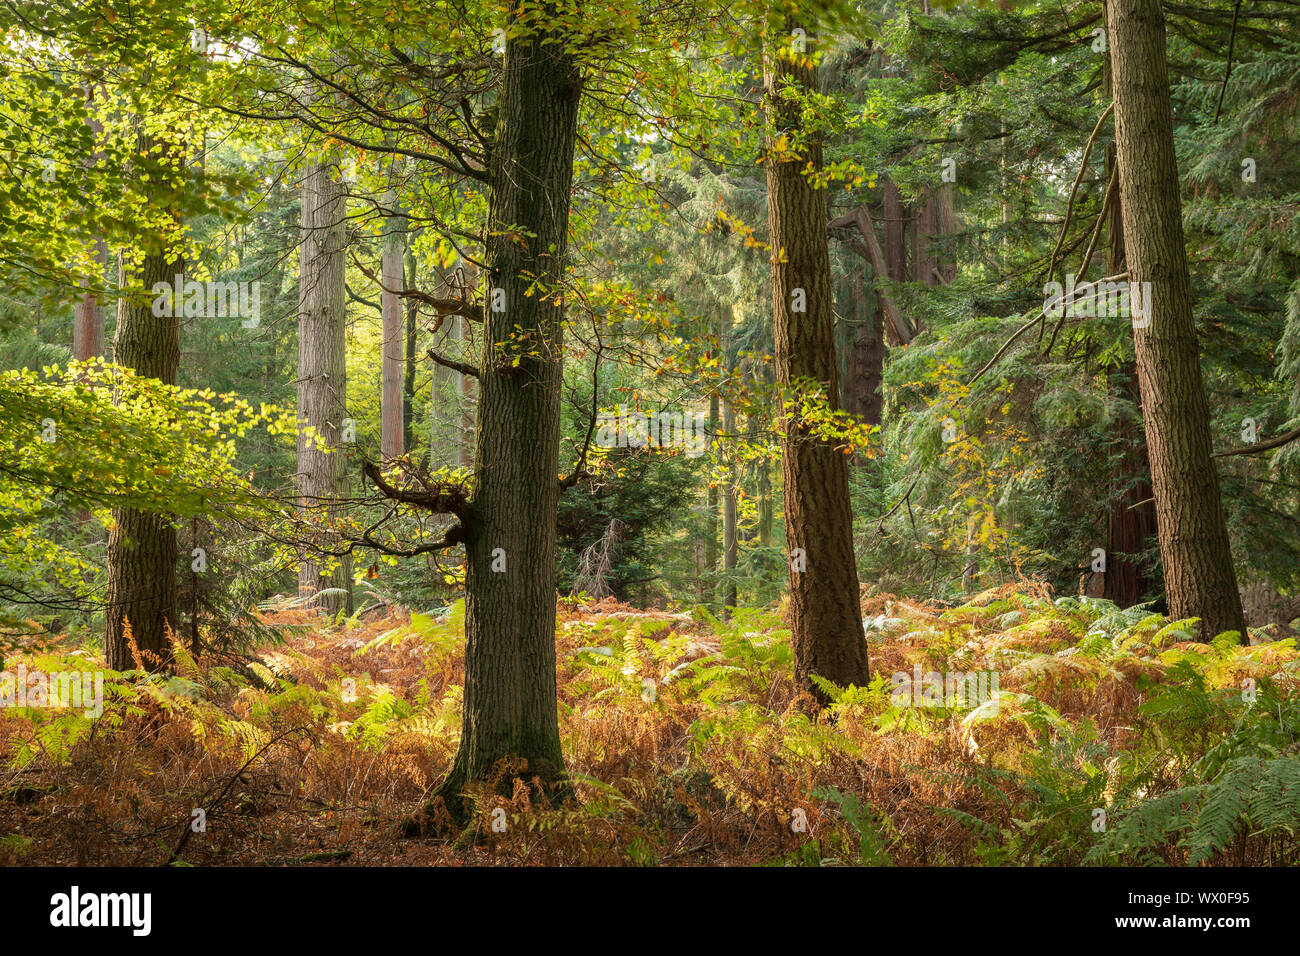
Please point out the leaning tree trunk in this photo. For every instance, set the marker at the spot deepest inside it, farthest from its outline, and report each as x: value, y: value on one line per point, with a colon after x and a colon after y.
x: 141, y: 544
x: 322, y: 368
x: 1199, y: 577
x: 825, y: 615
x: 511, y: 727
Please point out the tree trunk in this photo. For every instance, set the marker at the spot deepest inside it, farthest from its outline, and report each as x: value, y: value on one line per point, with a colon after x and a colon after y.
x: 1132, y: 511
x: 88, y: 316
x: 465, y: 383
x: 511, y: 726
x: 141, y: 595
x: 711, y: 541
x: 730, y: 544
x: 825, y: 614
x: 88, y: 319
x: 866, y: 365
x: 927, y: 227
x: 408, y: 369
x: 946, y: 225
x: 392, y: 427
x: 1199, y: 577
x: 895, y: 233
x: 322, y: 367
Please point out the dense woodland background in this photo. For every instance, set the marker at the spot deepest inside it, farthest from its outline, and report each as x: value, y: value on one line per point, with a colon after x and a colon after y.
x: 319, y: 323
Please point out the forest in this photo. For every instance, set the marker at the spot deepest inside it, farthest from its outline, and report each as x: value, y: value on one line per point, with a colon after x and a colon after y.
x: 669, y: 433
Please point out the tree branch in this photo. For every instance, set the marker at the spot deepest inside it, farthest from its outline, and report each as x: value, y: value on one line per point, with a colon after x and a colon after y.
x: 447, y: 498
x: 1284, y: 439
x: 580, y: 469
x: 444, y: 307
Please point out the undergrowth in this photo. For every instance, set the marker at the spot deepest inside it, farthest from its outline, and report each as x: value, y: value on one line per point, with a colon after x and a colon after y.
x: 1111, y: 739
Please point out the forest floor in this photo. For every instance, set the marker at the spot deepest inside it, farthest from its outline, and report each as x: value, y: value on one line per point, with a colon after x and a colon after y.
x: 688, y: 745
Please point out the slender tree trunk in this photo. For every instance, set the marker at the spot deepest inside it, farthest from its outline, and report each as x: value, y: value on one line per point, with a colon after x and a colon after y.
x: 946, y: 221
x: 825, y: 614
x: 408, y: 371
x: 511, y: 727
x: 88, y: 318
x: 766, y: 507
x: 764, y: 489
x: 1132, y: 509
x: 392, y: 425
x: 464, y: 383
x: 142, y: 553
x: 711, y: 542
x: 866, y: 366
x: 322, y: 366
x: 895, y: 233
x: 1199, y: 577
x: 730, y: 543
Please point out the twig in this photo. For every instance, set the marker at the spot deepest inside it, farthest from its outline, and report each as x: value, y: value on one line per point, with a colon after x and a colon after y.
x: 1069, y: 208
x: 580, y: 469
x: 1232, y: 42
x: 880, y: 527
x: 1026, y: 327
x: 185, y: 837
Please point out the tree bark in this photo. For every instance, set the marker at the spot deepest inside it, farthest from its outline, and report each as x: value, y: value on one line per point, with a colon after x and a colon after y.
x: 825, y: 614
x: 1199, y: 577
x: 322, y: 367
x: 511, y: 727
